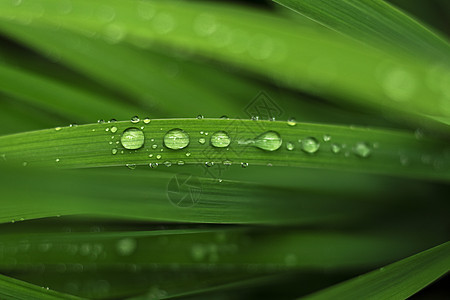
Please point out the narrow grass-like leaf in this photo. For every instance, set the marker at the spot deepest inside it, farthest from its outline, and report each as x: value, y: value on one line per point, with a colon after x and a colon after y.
x: 250, y: 142
x: 374, y: 22
x: 15, y: 289
x: 399, y: 280
x: 331, y: 65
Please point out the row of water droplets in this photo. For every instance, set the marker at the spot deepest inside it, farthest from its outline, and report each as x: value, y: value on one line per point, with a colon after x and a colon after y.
x: 133, y: 138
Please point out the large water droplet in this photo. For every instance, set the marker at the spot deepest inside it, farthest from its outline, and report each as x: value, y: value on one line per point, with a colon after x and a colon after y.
x: 310, y: 145
x: 132, y: 138
x: 362, y: 150
x: 176, y: 139
x: 220, y: 139
x: 269, y: 141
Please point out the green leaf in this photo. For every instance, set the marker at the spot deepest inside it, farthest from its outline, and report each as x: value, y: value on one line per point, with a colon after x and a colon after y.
x: 331, y: 65
x: 15, y: 289
x: 376, y: 23
x: 399, y: 280
x: 252, y: 142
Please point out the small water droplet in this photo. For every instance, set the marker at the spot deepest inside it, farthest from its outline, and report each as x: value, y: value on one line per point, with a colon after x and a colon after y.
x: 310, y: 145
x: 224, y: 117
x: 335, y: 148
x: 176, y: 139
x: 227, y: 163
x: 244, y: 164
x: 147, y: 120
x: 135, y: 119
x: 202, y: 140
x: 24, y: 164
x: 361, y: 149
x: 188, y: 154
x: 167, y: 163
x: 132, y: 138
x: 158, y: 156
x: 154, y: 146
x: 73, y: 125
x: 106, y: 129
x: 255, y: 118
x: 220, y: 139
x: 131, y: 166
x: 58, y: 128
x: 200, y: 117
x: 292, y: 122
x: 209, y: 164
x: 114, y: 151
x: 290, y: 146
x: 57, y: 160
x: 153, y: 165
x: 269, y: 141
x: 326, y: 138
x: 101, y: 121
x: 180, y: 163
x: 112, y: 121
x: 150, y: 155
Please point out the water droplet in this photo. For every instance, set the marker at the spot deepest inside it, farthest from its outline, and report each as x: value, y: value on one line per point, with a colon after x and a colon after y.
x: 255, y: 118
x: 135, y: 119
x: 167, y: 163
x: 188, y: 154
x: 131, y: 166
x: 209, y: 164
x: 147, y: 120
x: 132, y: 138
x: 180, y: 163
x: 114, y: 151
x: 154, y: 146
x: 176, y: 139
x: 106, y: 129
x: 202, y: 140
x: 73, y: 125
x: 57, y: 160
x: 227, y: 163
x: 58, y: 128
x: 158, y: 156
x: 114, y: 129
x: 224, y: 117
x: 153, y: 165
x: 101, y: 121
x: 112, y: 121
x: 126, y: 246
x: 24, y: 164
x: 335, y: 148
x: 326, y: 138
x: 200, y: 117
x: 362, y: 150
x: 244, y: 164
x: 269, y: 141
x: 292, y: 122
x: 220, y: 139
x: 289, y: 146
x: 310, y: 145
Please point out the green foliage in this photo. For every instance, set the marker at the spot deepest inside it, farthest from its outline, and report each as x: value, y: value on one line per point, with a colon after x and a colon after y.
x: 222, y: 206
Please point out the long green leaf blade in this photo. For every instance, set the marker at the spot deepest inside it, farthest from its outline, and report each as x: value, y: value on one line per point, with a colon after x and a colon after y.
x: 396, y: 281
